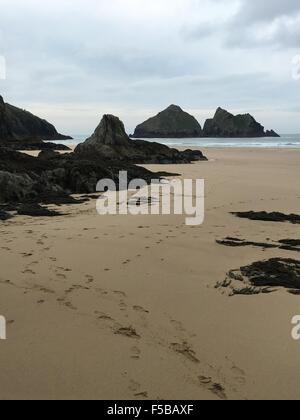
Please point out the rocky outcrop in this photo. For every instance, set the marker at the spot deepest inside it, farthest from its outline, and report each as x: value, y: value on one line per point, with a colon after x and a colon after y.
x: 286, y: 244
x: 227, y: 125
x: 173, y: 122
x: 264, y: 216
x: 111, y: 142
x: 21, y: 127
x: 52, y: 178
x: 263, y: 277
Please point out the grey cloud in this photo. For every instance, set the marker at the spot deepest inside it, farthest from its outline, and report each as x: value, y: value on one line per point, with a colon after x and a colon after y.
x: 135, y: 57
x: 256, y: 10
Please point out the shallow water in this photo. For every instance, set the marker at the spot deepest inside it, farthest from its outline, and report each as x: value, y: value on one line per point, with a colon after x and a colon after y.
x: 285, y: 141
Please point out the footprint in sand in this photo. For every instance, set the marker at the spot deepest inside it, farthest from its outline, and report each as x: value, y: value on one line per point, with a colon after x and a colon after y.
x: 61, y: 276
x: 129, y: 332
x: 26, y: 255
x: 118, y: 293
x: 45, y: 290
x: 103, y: 317
x: 140, y: 309
x: 90, y: 279
x: 135, y: 353
x: 122, y: 305
x: 66, y: 270
x: 141, y: 395
x: 69, y: 305
x: 135, y: 388
x: 178, y: 326
x: 28, y: 272
x: 185, y: 350
x: 216, y: 388
x: 238, y: 373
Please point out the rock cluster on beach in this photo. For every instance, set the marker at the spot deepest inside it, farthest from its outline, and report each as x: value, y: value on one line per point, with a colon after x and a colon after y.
x: 23, y: 130
x: 174, y: 123
x: 110, y: 141
x: 28, y: 179
x: 263, y: 277
x: 52, y: 177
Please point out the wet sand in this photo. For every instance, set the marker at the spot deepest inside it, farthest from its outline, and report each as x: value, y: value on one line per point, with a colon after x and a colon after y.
x: 124, y: 307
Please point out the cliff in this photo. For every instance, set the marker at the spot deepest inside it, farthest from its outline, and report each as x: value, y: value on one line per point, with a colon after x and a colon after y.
x: 19, y: 126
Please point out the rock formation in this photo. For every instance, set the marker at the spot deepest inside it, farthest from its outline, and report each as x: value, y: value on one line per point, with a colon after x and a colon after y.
x: 263, y: 277
x: 225, y: 124
x: 19, y: 127
x: 173, y: 122
x: 51, y: 178
x: 286, y: 244
x: 268, y: 217
x: 110, y: 141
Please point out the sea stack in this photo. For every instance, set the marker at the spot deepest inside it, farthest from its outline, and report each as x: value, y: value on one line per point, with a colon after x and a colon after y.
x: 173, y: 122
x: 110, y: 132
x: 110, y: 142
x: 19, y: 126
x: 225, y: 124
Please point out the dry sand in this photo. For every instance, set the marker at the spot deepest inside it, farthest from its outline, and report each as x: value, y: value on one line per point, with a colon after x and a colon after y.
x: 123, y: 307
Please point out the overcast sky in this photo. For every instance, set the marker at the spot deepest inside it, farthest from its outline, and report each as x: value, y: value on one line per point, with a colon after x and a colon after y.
x: 70, y: 61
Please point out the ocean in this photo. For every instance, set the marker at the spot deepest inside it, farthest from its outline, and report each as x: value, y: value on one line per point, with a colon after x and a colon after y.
x: 291, y: 141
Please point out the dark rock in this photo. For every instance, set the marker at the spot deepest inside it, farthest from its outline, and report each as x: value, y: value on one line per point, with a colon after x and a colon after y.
x: 53, y: 177
x: 225, y: 124
x: 17, y: 125
x: 268, y: 217
x: 263, y: 277
x: 35, y: 210
x: 48, y: 154
x: 16, y: 187
x: 20, y: 146
x: 233, y: 242
x: 286, y: 244
x: 292, y: 242
x: 271, y: 133
x: 25, y: 179
x: 4, y: 215
x: 173, y: 122
x: 111, y: 142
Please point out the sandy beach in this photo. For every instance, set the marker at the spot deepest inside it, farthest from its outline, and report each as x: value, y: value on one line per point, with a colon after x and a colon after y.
x: 123, y: 307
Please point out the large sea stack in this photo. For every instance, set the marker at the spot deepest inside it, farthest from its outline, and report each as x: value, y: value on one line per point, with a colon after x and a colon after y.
x: 225, y: 124
x: 21, y: 127
x: 111, y: 142
x: 173, y: 122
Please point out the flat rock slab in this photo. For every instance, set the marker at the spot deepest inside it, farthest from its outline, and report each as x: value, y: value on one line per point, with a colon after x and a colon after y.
x: 268, y: 217
x: 286, y: 244
x: 35, y: 210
